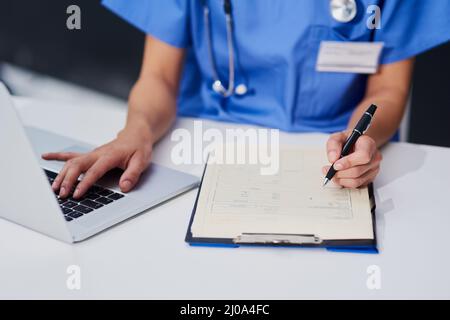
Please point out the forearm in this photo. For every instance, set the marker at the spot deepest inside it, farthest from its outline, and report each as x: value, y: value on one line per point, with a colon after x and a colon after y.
x: 389, y: 90
x: 391, y: 107
x: 152, y: 107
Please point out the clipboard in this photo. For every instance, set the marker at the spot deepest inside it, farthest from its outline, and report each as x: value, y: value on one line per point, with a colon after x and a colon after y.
x: 368, y: 246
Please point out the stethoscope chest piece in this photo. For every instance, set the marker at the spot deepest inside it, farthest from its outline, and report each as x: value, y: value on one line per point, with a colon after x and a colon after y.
x: 343, y: 10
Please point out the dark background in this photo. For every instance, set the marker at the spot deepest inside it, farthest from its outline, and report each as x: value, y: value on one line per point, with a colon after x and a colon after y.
x: 106, y: 53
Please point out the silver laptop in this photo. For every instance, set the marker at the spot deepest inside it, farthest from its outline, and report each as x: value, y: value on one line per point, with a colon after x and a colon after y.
x: 26, y: 196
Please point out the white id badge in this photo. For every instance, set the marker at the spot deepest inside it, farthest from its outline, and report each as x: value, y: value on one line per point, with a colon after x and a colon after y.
x: 349, y: 57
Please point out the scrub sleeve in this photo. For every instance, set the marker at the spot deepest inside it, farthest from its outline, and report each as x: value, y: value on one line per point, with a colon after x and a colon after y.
x: 411, y: 27
x: 166, y: 20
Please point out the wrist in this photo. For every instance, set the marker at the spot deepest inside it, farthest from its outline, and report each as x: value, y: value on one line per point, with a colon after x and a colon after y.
x: 139, y: 128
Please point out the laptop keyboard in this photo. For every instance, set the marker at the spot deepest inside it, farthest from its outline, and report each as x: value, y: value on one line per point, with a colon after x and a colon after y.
x: 95, y: 198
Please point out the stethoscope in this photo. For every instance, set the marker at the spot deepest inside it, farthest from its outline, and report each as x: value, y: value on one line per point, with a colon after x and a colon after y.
x: 218, y: 87
x: 342, y: 11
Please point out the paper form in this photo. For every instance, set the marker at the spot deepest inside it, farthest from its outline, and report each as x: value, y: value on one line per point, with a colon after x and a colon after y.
x: 237, y: 199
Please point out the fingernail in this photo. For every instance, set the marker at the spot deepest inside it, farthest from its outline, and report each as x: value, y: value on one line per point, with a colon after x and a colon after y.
x: 126, y: 185
x: 76, y: 193
x: 338, y: 166
x: 62, y: 191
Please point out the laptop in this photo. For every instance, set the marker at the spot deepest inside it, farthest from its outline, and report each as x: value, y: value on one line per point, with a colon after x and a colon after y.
x: 26, y: 196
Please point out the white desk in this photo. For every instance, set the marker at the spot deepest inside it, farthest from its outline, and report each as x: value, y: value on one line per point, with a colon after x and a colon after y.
x: 147, y: 257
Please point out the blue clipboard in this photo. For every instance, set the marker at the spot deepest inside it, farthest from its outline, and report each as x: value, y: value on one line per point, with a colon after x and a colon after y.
x: 368, y: 246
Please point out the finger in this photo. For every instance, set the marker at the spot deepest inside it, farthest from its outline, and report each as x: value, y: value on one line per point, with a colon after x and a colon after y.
x: 75, y: 168
x: 59, y: 178
x: 137, y: 164
x: 365, y: 149
x: 353, y: 172
x: 371, y: 177
x: 60, y: 156
x: 334, y: 146
x: 325, y: 169
x: 93, y: 174
x: 358, y: 171
x: 364, y: 180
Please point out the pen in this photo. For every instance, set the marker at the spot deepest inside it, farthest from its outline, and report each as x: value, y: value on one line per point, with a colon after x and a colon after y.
x: 360, y: 128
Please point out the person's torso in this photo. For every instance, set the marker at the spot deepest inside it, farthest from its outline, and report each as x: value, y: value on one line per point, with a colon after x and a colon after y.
x: 276, y: 48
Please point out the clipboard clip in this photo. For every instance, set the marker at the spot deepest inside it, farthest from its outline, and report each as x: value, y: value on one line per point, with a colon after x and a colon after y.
x: 273, y: 238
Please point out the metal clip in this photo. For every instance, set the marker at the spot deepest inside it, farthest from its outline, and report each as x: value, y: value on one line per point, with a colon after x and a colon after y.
x: 270, y: 238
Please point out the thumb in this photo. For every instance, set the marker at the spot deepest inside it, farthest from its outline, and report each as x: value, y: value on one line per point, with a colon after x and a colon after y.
x: 136, y: 165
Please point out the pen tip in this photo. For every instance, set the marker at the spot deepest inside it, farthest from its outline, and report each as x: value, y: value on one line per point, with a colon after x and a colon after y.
x: 325, y: 182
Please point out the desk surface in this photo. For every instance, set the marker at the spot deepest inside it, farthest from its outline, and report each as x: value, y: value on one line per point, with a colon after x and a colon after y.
x: 146, y: 257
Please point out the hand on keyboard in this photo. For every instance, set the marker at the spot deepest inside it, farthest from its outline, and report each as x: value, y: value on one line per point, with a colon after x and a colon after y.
x: 130, y: 151
x: 95, y: 198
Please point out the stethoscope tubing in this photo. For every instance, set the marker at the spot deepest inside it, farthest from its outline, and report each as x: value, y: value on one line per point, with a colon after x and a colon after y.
x: 230, y: 45
x: 336, y: 11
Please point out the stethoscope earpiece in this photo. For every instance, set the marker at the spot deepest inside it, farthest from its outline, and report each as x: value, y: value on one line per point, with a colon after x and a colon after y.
x: 239, y: 90
x: 218, y: 87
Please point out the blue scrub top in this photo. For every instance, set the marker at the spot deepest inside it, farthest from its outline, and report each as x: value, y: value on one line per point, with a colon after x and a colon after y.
x: 277, y: 43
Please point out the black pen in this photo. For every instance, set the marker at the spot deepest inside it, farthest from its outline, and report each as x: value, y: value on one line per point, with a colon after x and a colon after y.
x: 360, y: 129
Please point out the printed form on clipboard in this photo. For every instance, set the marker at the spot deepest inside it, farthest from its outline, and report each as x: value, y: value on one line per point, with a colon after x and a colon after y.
x: 237, y: 205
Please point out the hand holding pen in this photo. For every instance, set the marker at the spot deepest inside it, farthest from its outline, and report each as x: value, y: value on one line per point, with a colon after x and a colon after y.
x: 355, y: 157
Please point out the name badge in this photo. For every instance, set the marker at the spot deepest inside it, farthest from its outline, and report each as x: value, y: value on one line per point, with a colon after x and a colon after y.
x: 349, y: 57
